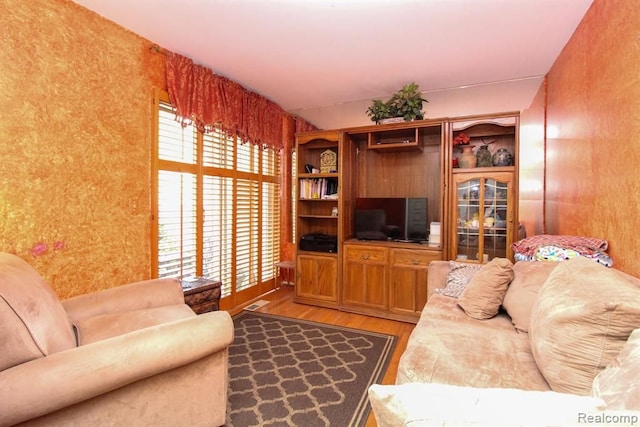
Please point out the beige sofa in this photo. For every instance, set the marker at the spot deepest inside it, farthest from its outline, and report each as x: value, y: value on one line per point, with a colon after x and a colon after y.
x: 535, y: 343
x: 130, y: 355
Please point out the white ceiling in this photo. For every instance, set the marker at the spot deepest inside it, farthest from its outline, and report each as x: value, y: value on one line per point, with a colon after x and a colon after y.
x: 306, y: 54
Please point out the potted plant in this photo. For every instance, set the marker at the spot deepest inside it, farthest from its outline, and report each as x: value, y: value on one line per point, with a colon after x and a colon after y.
x: 461, y: 139
x: 406, y: 104
x: 380, y: 110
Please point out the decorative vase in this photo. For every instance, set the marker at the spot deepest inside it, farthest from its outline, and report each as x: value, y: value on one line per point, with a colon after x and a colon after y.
x: 502, y: 157
x: 483, y: 156
x: 467, y: 159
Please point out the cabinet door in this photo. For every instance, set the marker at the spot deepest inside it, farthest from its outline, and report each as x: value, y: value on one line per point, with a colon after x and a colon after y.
x: 408, y: 280
x: 317, y: 277
x: 364, y: 281
x: 483, y: 214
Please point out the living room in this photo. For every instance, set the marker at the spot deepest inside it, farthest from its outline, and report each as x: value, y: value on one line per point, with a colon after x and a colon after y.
x: 77, y: 139
x: 91, y: 193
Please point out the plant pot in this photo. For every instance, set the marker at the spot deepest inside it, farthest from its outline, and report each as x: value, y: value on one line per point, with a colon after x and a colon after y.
x: 391, y: 120
x: 467, y: 159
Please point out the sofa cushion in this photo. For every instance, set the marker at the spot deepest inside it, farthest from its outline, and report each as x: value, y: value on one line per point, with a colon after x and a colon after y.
x: 105, y: 326
x: 419, y: 404
x: 447, y: 346
x: 619, y: 383
x: 33, y: 323
x: 457, y: 278
x: 582, y: 318
x: 528, y: 278
x: 483, y: 296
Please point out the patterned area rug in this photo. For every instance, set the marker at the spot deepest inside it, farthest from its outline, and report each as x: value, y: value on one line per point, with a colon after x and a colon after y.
x: 290, y: 372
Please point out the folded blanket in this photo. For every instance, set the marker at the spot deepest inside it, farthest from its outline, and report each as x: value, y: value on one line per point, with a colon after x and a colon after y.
x: 548, y: 247
x: 583, y: 245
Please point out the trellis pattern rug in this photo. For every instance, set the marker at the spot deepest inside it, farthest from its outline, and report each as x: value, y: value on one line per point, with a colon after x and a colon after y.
x: 291, y: 372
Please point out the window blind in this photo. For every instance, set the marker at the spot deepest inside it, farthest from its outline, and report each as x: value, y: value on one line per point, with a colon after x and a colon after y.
x: 217, y: 207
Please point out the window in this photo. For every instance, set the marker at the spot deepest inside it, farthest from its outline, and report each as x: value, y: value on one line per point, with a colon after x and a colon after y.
x: 217, y: 207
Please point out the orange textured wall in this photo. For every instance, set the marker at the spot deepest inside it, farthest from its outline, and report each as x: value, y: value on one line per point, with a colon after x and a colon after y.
x: 593, y: 132
x: 531, y: 170
x: 75, y: 138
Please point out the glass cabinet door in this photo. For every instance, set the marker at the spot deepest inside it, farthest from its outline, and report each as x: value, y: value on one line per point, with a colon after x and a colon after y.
x: 484, y: 216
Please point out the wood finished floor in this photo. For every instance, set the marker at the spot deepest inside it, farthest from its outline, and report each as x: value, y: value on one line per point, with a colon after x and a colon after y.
x: 281, y: 303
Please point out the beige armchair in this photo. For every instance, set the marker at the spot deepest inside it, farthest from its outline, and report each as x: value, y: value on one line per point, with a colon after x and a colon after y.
x: 130, y: 355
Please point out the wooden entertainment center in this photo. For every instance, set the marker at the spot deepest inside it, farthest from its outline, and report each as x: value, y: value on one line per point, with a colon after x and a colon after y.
x: 474, y: 208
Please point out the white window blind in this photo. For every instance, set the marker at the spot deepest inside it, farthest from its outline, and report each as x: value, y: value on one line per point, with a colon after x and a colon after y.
x: 247, y: 226
x: 177, y: 224
x: 218, y: 212
x: 270, y: 228
x: 218, y: 230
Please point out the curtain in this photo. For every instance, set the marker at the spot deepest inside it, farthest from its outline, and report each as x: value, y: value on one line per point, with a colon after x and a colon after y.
x: 303, y: 126
x: 208, y: 101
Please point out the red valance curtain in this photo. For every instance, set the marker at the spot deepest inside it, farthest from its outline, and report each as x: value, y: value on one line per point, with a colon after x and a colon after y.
x: 304, y: 126
x: 209, y: 101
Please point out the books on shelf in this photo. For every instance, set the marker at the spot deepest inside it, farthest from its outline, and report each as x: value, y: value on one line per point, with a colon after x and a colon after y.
x: 319, y: 188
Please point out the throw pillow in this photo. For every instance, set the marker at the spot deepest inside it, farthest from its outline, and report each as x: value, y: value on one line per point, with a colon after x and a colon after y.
x: 528, y: 278
x: 427, y: 404
x: 457, y: 278
x: 619, y: 383
x: 483, y: 296
x: 584, y: 315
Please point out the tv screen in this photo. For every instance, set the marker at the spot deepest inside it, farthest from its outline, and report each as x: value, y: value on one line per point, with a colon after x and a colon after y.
x: 392, y: 218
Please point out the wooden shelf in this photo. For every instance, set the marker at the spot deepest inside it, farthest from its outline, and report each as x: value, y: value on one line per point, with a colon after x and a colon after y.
x: 319, y: 253
x: 317, y: 175
x: 399, y: 137
x: 317, y: 272
x: 488, y: 129
x: 483, y: 170
x: 401, y: 146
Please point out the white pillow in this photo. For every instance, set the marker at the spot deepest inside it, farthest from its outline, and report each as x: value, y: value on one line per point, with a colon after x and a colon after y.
x: 619, y: 383
x: 425, y: 404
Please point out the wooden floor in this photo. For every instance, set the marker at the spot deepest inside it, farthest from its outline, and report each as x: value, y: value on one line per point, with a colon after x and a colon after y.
x: 281, y: 303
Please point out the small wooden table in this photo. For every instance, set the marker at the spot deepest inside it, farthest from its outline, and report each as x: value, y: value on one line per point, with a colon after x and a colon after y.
x: 202, y: 294
x: 287, y: 269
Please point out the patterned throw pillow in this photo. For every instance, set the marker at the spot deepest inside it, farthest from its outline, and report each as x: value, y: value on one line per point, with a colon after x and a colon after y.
x: 458, y: 277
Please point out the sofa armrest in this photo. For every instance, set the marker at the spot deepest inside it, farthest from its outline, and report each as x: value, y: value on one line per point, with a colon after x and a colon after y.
x: 133, y: 296
x: 437, y: 276
x: 47, y: 384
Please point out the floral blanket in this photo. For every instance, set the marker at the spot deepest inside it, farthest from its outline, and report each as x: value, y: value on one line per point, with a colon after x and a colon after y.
x: 548, y: 247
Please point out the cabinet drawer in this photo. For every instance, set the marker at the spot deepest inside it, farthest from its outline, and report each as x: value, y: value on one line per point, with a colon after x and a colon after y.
x: 412, y: 258
x: 365, y: 254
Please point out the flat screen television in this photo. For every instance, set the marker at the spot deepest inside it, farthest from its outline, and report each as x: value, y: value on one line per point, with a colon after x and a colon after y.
x: 401, y: 219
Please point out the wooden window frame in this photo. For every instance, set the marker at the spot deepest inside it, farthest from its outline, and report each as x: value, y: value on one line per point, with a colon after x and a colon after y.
x: 261, y: 171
